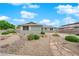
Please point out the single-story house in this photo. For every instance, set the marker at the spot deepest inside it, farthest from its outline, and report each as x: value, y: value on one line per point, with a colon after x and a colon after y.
x: 30, y: 27
x: 34, y: 27
x: 70, y: 28
x: 47, y: 28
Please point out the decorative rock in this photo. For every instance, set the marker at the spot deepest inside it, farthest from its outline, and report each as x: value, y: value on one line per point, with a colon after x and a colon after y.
x: 5, y: 46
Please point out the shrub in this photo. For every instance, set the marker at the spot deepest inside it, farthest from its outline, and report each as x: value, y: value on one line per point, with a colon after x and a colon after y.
x: 8, y: 32
x: 11, y: 31
x: 42, y: 33
x: 30, y: 37
x: 5, y: 33
x: 36, y: 37
x: 55, y: 34
x: 77, y: 34
x: 72, y: 38
x: 33, y: 37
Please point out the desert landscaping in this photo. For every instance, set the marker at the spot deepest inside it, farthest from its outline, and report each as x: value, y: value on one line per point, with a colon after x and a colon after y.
x: 50, y: 44
x: 39, y: 29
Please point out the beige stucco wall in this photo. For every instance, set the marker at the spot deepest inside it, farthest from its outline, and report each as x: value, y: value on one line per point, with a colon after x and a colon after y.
x: 21, y: 28
x: 32, y: 29
x: 36, y: 28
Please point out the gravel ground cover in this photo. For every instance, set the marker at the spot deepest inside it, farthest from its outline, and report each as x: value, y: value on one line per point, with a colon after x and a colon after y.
x: 46, y: 46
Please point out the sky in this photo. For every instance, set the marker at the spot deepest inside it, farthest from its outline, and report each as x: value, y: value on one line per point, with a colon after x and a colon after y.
x: 54, y: 14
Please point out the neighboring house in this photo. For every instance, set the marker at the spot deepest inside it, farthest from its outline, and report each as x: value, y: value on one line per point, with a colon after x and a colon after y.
x: 34, y: 28
x: 48, y: 28
x: 71, y: 28
x: 30, y: 27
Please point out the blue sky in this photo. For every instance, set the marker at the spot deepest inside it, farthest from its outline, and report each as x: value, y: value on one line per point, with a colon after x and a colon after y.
x: 55, y: 14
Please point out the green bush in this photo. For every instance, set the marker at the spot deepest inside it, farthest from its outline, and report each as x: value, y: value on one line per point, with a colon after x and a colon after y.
x: 72, y: 38
x: 11, y: 31
x: 4, y: 25
x: 30, y: 37
x: 42, y: 33
x: 8, y: 32
x: 77, y: 34
x: 55, y: 34
x: 36, y: 37
x: 4, y: 33
x: 33, y: 37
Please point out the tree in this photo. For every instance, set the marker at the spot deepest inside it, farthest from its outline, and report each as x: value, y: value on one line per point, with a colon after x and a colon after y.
x: 6, y: 25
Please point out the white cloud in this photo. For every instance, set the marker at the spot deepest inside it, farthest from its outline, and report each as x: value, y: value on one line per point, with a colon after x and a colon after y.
x: 46, y: 21
x: 26, y: 5
x: 28, y: 15
x: 69, y: 20
x: 16, y: 4
x: 19, y: 20
x: 49, y: 22
x: 29, y: 5
x: 57, y: 23
x: 4, y: 17
x: 68, y: 9
x: 33, y: 6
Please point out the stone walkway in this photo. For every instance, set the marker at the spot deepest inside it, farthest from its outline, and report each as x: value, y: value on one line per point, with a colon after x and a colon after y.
x: 58, y: 48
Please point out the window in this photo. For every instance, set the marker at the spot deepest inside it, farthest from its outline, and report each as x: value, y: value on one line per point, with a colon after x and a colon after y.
x: 45, y: 28
x: 25, y: 27
x: 51, y: 28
